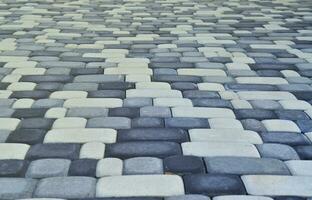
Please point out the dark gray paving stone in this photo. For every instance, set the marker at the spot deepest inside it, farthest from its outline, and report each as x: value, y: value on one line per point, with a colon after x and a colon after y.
x: 183, y: 86
x: 290, y: 198
x: 46, y: 78
x: 48, y: 86
x: 245, y: 166
x: 277, y: 151
x: 85, y: 71
x: 173, y: 65
x: 254, y: 114
x: 44, y: 168
x: 13, y: 168
x: 98, y: 78
x: 83, y: 167
x: 213, y: 185
x: 155, y: 111
x: 4, y: 135
x: 190, y: 94
x: 184, y: 165
x: 153, y: 134
x: 29, y: 113
x: 217, y: 103
x: 304, y: 152
x: 36, y: 123
x: 135, y: 149
x: 303, y: 95
x: 27, y: 136
x: 36, y: 94
x: 116, y: 86
x: 107, y: 94
x: 176, y: 78
x: 80, y: 87
x: 142, y: 165
x: 16, y: 188
x: 266, y: 104
x: 292, y: 115
x: 284, y: 138
x: 186, y: 122
x: 66, y: 151
x: 124, y: 112
x: 147, y: 122
x: 66, y: 187
x: 188, y: 197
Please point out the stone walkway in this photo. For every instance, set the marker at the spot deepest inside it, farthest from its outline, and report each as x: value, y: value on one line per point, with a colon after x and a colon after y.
x: 156, y: 99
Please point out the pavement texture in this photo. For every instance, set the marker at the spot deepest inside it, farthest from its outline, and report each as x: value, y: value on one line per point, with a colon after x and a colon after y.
x: 156, y: 99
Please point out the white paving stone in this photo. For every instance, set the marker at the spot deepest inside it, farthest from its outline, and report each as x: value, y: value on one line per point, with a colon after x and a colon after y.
x: 13, y: 151
x: 300, y: 167
x: 224, y: 123
x: 70, y: 122
x: 93, y: 102
x: 68, y: 94
x: 206, y: 149
x: 273, y: 185
x: 92, y: 150
x: 202, y: 112
x: 81, y: 135
x: 280, y: 125
x: 153, y: 93
x: 140, y: 185
x: 211, y: 86
x: 262, y: 80
x: 295, y: 104
x: 224, y: 135
x: 9, y: 123
x: 109, y: 167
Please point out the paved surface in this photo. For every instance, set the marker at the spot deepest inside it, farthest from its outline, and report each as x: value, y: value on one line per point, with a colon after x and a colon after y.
x: 156, y: 99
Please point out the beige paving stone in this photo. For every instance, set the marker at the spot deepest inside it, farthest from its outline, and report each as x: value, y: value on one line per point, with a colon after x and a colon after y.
x: 153, y: 93
x: 92, y: 150
x: 13, y: 150
x: 280, y: 125
x: 172, y: 102
x: 9, y: 123
x: 68, y: 94
x: 136, y: 185
x: 55, y: 113
x: 93, y: 102
x: 5, y: 94
x: 202, y: 112
x: 23, y: 103
x: 69, y: 122
x: 109, y: 167
x: 11, y: 78
x: 20, y: 64
x: 81, y: 135
x: 207, y: 149
x: 22, y: 86
x: 29, y: 71
x: 201, y: 72
x: 273, y: 185
x: 225, y: 135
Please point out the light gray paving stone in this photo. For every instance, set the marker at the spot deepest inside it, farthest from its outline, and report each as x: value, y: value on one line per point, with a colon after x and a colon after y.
x: 66, y: 187
x: 153, y: 111
x: 241, y: 165
x: 48, y: 168
x: 188, y: 197
x: 16, y: 188
x: 143, y: 165
x: 87, y: 112
x: 137, y: 102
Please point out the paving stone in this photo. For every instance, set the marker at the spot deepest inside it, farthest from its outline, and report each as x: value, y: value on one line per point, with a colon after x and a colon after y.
x: 16, y: 188
x: 13, y: 168
x: 186, y: 122
x: 66, y: 151
x: 82, y: 167
x: 299, y: 167
x: 241, y: 165
x: 47, y: 168
x: 134, y: 149
x: 109, y: 122
x: 206, y: 149
x: 142, y: 165
x: 254, y: 114
x: 241, y: 197
x: 278, y: 151
x: 27, y: 136
x: 159, y: 185
x: 147, y: 122
x: 109, y: 167
x: 184, y: 165
x: 288, y: 138
x: 304, y: 152
x: 280, y: 125
x: 188, y: 197
x: 213, y: 185
x: 66, y: 187
x: 283, y: 185
x: 87, y: 112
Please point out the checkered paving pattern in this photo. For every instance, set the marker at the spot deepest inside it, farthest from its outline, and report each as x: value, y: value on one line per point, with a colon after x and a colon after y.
x: 156, y: 99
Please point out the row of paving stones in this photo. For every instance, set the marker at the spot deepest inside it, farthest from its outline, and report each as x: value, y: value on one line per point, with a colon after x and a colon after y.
x: 178, y: 164
x: 157, y: 185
